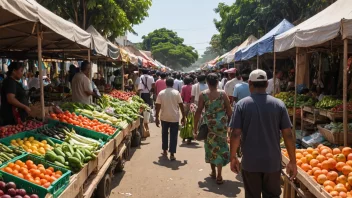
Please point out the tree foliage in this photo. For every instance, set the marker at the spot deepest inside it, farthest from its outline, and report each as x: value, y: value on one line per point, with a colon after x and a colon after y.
x: 111, y: 18
x: 168, y: 48
x: 257, y: 17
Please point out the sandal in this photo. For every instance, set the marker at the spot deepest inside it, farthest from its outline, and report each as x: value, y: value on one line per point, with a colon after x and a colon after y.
x: 172, y: 158
x: 219, y: 181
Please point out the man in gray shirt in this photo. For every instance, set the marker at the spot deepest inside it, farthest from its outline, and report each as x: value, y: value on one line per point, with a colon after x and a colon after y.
x: 257, y: 121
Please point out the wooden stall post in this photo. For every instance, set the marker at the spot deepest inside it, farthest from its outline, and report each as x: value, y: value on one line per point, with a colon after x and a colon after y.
x: 345, y: 118
x: 274, y: 76
x: 39, y: 38
x: 295, y: 97
x: 123, y: 77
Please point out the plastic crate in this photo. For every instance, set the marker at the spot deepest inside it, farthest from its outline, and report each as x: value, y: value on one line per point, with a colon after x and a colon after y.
x: 56, y: 188
x: 83, y: 131
x: 7, y: 140
x: 17, y: 157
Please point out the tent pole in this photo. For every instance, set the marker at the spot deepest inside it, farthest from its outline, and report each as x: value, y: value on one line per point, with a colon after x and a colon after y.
x: 345, y: 118
x: 274, y: 76
x: 123, y: 77
x: 257, y: 61
x: 39, y: 38
x: 295, y: 97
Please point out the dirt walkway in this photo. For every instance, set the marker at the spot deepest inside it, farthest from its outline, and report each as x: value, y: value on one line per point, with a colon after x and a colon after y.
x: 148, y: 174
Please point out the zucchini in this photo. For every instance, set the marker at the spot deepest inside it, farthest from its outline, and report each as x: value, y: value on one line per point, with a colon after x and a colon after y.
x: 58, y: 151
x: 68, y: 154
x: 50, y: 142
x: 75, y: 161
x: 60, y: 159
x: 78, y: 156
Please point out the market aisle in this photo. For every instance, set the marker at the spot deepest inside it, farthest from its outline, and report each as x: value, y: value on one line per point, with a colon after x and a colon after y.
x: 150, y: 175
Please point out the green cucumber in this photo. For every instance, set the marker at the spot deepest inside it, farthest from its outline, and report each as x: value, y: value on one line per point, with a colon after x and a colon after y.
x: 60, y: 159
x: 58, y: 151
x: 68, y: 154
x: 50, y: 142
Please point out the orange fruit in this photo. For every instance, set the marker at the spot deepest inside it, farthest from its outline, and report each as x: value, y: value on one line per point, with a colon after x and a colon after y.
x: 321, y: 179
x: 309, y: 157
x: 24, y: 171
x: 14, y: 172
x: 346, y: 169
x: 37, y: 182
x: 332, y: 175
x: 320, y: 145
x: 349, y: 162
x: 339, y: 166
x: 16, y: 167
x: 341, y: 179
x: 310, y: 150
x: 329, y: 188
x: 46, y: 185
x: 336, y: 151
x: 51, y: 168
x: 332, y: 163
x: 315, y: 154
x: 43, y: 181
x: 324, y: 171
x: 314, y: 163
x: 317, y: 173
x: 58, y: 172
x: 343, y: 194
x: 303, y: 159
x: 42, y: 169
x: 305, y: 167
x: 329, y: 183
x: 320, y: 158
x: 310, y: 172
x: 345, y: 151
x: 299, y: 162
x: 340, y: 188
x: 329, y: 155
x: 48, y: 172
x: 340, y: 158
x: 334, y: 193
x: 11, y: 165
x: 20, y: 175
x: 19, y: 162
x: 8, y: 170
x: 325, y: 151
x: 325, y: 165
x: 349, y: 180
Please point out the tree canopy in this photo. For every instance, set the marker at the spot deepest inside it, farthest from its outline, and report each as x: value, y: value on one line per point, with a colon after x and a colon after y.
x: 168, y: 48
x: 256, y: 17
x: 111, y: 18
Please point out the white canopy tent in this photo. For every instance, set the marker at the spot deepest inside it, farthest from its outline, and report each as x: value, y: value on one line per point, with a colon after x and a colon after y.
x: 322, y: 27
x: 230, y: 57
x: 99, y: 43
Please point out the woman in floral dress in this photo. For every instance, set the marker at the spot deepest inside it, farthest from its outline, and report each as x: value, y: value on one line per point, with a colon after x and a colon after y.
x: 217, y: 111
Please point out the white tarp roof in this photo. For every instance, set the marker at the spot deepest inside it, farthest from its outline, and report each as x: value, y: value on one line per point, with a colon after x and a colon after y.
x: 99, y: 43
x: 18, y: 28
x: 230, y: 57
x: 318, y: 29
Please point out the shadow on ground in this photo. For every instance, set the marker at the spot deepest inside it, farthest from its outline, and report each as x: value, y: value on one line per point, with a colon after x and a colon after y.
x: 192, y: 145
x: 174, y: 165
x: 228, y: 189
x: 117, y: 179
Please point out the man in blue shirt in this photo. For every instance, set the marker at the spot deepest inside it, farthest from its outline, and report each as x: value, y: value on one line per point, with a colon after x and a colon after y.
x: 241, y: 89
x: 258, y: 123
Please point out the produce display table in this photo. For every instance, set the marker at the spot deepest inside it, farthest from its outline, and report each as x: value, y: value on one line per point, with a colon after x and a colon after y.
x: 85, y: 182
x: 306, y: 185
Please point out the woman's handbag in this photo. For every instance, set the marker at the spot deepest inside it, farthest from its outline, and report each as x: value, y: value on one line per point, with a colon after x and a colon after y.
x: 202, y: 132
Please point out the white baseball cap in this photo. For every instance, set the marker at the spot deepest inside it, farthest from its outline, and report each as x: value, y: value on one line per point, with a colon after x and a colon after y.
x: 258, y: 75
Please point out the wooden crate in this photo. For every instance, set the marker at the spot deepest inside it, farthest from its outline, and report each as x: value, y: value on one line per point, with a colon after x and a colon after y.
x: 335, y: 138
x: 105, y: 152
x: 305, y: 180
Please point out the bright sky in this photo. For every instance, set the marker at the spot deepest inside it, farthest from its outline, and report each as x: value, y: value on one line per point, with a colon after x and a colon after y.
x: 191, y: 19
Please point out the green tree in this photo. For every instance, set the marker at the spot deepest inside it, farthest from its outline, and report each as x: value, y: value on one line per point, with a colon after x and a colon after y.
x: 257, y: 17
x: 111, y: 18
x: 168, y: 48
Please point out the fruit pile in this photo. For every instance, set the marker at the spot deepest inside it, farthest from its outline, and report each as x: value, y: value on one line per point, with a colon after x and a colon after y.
x: 84, y: 122
x: 8, y: 130
x: 31, y: 145
x: 121, y: 95
x: 34, y: 173
x: 331, y: 168
x: 339, y: 108
x: 7, y: 153
x: 8, y: 190
x: 328, y: 102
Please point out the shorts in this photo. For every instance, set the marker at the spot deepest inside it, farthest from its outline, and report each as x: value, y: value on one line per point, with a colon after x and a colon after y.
x: 146, y: 98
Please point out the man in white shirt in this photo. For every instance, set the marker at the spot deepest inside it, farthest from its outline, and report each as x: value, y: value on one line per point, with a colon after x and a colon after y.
x: 169, y: 102
x: 235, y: 78
x: 270, y: 89
x: 178, y: 83
x: 34, y: 82
x: 145, y: 88
x: 82, y: 89
x: 198, y: 88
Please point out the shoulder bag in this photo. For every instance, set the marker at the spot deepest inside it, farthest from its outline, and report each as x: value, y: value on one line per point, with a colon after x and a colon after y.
x: 202, y: 130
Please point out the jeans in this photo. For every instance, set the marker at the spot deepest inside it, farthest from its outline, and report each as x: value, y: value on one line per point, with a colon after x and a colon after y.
x: 173, y: 126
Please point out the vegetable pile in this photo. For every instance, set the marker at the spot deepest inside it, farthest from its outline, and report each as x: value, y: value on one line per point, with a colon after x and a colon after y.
x: 328, y: 102
x: 84, y: 122
x: 339, y: 108
x: 34, y: 173
x: 121, y: 94
x: 8, y: 190
x: 7, y: 153
x: 302, y: 100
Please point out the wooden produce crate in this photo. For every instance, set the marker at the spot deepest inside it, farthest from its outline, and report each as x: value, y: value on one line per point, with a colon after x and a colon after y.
x: 309, y: 109
x: 335, y: 138
x: 307, y: 184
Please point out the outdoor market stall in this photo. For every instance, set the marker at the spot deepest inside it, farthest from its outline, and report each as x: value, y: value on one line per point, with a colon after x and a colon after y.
x: 321, y: 31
